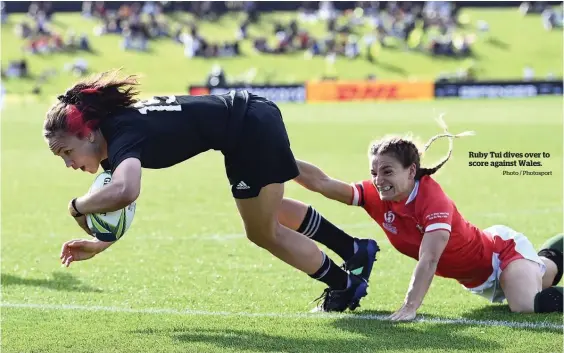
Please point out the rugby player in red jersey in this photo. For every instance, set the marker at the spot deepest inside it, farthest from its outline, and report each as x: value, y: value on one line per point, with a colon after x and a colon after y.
x: 422, y: 222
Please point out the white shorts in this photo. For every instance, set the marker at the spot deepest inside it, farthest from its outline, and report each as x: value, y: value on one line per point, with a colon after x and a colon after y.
x: 508, y: 246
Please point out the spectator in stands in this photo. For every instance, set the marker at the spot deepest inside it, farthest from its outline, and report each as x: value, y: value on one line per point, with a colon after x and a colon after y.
x: 3, y: 15
x: 16, y: 69
x: 528, y: 73
x: 216, y: 78
x: 87, y: 10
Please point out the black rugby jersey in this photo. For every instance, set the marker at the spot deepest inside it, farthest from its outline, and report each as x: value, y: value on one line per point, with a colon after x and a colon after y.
x: 164, y: 131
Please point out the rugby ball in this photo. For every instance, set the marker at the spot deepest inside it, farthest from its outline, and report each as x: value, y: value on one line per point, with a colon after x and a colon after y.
x: 109, y: 226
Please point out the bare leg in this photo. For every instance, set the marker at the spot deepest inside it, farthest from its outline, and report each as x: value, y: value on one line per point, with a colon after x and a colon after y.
x: 521, y: 281
x: 262, y: 227
x: 292, y: 213
x: 550, y: 273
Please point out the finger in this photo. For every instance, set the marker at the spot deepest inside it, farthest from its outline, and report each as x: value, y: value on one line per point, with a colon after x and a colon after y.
x: 69, y: 260
x: 400, y: 315
x: 407, y: 317
x: 65, y: 253
x: 64, y: 250
x: 396, y: 313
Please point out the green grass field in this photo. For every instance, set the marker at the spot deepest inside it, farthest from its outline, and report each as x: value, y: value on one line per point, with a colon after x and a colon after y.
x: 184, y: 278
x: 513, y: 42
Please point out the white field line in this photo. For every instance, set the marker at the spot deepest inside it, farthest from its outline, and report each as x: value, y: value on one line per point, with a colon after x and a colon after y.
x: 362, y: 225
x: 189, y: 312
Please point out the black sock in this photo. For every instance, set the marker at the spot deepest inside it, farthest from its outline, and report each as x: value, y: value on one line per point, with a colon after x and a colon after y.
x: 321, y: 230
x: 331, y: 274
x: 556, y: 257
x: 549, y: 300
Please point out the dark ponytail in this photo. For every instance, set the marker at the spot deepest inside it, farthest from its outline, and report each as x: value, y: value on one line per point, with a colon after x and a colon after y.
x: 429, y: 171
x: 83, y: 106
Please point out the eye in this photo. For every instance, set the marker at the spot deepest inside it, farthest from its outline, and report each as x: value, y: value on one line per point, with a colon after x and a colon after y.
x: 67, y: 152
x: 388, y: 172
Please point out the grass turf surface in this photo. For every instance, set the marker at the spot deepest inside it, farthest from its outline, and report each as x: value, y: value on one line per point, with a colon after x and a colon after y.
x: 513, y: 42
x: 185, y: 249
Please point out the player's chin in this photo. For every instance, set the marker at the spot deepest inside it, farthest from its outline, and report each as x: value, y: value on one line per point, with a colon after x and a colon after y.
x: 387, y: 195
x: 91, y: 170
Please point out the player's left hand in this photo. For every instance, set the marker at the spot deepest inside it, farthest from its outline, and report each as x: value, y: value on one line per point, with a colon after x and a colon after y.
x: 405, y: 313
x: 81, y: 221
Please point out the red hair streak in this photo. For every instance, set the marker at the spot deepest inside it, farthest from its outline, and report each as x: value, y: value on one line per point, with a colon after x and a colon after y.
x: 76, y: 124
x: 89, y: 90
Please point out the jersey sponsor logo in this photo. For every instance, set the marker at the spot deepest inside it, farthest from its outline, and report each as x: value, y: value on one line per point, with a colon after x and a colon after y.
x: 389, y: 218
x: 437, y: 215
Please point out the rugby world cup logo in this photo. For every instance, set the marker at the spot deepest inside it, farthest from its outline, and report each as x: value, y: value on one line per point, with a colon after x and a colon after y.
x: 389, y: 218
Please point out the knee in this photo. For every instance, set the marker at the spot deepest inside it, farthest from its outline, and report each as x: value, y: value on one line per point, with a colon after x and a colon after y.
x: 265, y: 236
x: 521, y: 307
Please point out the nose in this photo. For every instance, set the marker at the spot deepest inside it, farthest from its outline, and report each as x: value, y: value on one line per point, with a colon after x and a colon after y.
x: 379, y: 179
x: 69, y: 163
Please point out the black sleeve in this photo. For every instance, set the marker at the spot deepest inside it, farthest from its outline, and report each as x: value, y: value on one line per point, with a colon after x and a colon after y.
x: 125, y: 143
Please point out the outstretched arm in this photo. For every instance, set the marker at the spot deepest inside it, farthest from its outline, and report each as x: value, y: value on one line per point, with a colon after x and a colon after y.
x: 314, y: 179
x: 432, y: 247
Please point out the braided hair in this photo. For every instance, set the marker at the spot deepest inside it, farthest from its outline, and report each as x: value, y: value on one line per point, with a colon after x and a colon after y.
x: 407, y: 153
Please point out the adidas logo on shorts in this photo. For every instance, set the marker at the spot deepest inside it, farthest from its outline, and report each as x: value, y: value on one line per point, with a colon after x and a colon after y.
x: 242, y: 186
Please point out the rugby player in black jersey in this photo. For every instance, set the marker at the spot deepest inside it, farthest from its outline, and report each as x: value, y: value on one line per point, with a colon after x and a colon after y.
x: 99, y: 121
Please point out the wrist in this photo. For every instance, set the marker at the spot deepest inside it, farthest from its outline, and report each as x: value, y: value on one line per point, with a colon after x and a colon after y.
x: 74, y: 208
x: 101, y: 245
x: 410, y: 304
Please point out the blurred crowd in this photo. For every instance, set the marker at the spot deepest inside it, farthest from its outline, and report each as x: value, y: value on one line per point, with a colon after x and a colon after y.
x: 39, y: 37
x: 140, y: 23
x: 427, y: 26
x: 435, y: 28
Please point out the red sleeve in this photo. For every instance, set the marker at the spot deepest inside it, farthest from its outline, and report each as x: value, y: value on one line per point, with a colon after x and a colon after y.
x: 436, y: 212
x: 366, y: 196
x: 358, y: 197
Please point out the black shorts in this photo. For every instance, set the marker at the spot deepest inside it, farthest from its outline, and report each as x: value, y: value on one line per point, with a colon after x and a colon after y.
x: 263, y: 155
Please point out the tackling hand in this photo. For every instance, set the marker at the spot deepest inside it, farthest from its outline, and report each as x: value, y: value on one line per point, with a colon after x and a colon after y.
x: 405, y: 313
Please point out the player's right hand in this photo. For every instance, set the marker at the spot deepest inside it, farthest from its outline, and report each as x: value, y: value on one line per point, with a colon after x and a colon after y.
x: 80, y: 249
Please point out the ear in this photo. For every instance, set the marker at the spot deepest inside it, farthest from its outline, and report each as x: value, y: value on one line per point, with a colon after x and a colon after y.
x: 91, y: 137
x: 412, y: 171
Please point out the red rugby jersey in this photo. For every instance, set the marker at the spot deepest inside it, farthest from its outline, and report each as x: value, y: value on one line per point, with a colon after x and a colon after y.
x: 468, y: 254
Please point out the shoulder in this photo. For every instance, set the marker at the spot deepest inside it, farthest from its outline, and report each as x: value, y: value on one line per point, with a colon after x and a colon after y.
x: 431, y: 195
x: 123, y: 118
x: 125, y: 125
x: 430, y: 188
